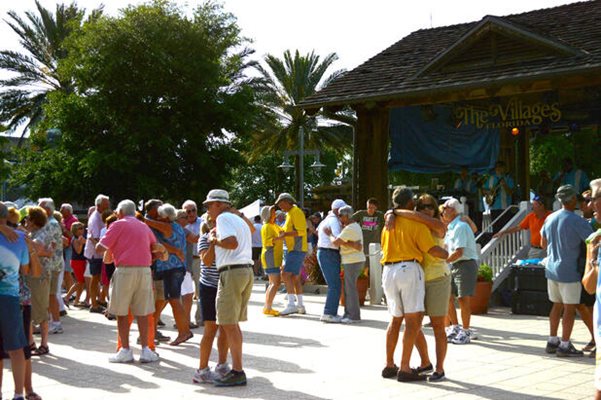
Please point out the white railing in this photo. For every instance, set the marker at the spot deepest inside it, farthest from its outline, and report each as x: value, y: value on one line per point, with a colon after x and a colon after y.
x: 501, y: 253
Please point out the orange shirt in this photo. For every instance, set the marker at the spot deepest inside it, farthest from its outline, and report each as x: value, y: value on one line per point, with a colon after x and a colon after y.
x: 534, y: 224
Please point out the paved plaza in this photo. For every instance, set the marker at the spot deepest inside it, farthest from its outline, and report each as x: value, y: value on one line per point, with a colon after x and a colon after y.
x: 298, y: 357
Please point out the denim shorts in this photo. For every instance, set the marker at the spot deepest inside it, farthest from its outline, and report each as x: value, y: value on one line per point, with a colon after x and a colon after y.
x: 12, y: 334
x: 294, y: 261
x: 26, y: 325
x: 272, y: 271
x: 172, y: 283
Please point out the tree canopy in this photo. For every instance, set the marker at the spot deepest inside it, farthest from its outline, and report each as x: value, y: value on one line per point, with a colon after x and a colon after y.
x: 156, y: 102
x: 34, y: 72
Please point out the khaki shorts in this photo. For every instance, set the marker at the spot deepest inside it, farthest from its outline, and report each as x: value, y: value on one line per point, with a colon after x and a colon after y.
x: 131, y: 288
x: 564, y: 292
x: 233, y: 294
x: 54, y: 275
x: 438, y: 292
x: 158, y: 289
x: 40, y: 296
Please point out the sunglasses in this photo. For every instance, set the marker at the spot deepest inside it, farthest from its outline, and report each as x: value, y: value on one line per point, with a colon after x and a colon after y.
x: 426, y: 207
x: 190, y: 211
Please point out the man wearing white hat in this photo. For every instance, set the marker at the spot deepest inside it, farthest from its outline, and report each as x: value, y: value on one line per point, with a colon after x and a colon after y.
x: 463, y: 257
x: 328, y: 255
x: 233, y: 259
x: 295, y: 236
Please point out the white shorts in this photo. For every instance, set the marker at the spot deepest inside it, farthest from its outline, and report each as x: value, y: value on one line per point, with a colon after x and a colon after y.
x: 404, y: 287
x: 564, y: 292
x: 87, y: 274
x: 187, y: 284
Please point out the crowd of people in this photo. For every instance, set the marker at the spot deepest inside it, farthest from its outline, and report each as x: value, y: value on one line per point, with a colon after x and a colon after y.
x: 131, y: 265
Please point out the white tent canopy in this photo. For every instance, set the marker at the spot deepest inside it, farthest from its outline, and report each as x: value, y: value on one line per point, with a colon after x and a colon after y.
x: 252, y: 210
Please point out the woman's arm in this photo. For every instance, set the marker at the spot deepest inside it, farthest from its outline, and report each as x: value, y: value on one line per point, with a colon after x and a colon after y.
x: 208, y: 256
x: 164, y: 227
x: 591, y: 268
x: 433, y: 224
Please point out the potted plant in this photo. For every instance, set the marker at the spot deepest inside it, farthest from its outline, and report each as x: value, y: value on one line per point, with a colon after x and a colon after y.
x: 483, y: 290
x: 362, y: 285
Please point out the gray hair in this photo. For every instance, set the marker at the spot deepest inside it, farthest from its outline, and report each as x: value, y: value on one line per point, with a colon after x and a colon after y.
x: 99, y: 199
x: 46, y: 202
x: 67, y: 207
x: 3, y: 211
x: 401, y: 196
x: 346, y: 210
x: 189, y: 203
x: 127, y: 208
x: 168, y: 211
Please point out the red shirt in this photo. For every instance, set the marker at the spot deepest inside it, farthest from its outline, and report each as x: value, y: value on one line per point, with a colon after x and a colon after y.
x: 534, y: 224
x: 69, y: 221
x: 129, y: 240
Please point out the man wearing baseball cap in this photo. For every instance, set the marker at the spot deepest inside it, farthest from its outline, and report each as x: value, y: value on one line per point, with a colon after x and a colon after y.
x: 233, y: 258
x: 328, y: 255
x: 295, y: 236
x: 562, y: 235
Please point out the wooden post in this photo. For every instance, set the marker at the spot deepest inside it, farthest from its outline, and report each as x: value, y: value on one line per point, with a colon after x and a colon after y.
x: 372, y: 148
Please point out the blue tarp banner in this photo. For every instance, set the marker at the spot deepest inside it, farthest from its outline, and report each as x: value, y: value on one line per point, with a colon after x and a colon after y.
x: 431, y: 140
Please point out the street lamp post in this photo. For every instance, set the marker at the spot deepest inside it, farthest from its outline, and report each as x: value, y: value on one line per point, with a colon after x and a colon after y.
x: 301, y: 152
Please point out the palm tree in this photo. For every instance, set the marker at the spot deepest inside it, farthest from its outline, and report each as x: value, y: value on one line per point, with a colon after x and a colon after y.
x: 283, y: 85
x: 34, y: 73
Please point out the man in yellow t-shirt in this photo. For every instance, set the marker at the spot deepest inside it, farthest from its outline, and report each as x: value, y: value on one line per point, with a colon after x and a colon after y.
x: 403, y: 249
x: 295, y: 235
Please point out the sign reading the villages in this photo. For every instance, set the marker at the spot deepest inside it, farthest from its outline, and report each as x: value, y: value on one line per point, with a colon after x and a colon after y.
x: 514, y: 113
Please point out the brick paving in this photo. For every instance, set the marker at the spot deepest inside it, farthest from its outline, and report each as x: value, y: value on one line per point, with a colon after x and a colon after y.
x: 298, y: 357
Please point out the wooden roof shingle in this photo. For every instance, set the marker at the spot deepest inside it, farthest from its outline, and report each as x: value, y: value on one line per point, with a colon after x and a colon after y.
x: 409, y: 67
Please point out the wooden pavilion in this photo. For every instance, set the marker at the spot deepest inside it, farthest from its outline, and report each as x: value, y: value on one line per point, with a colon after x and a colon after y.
x: 534, y: 71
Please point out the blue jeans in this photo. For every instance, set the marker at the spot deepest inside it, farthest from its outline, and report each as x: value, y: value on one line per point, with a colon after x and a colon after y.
x: 329, y: 262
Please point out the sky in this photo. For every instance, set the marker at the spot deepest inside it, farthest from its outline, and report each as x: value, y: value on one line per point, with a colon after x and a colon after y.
x: 356, y: 30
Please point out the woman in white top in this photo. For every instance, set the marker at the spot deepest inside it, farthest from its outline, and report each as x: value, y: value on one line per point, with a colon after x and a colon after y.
x: 352, y: 258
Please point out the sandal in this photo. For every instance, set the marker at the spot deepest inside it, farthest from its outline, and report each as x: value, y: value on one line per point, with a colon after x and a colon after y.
x: 33, y: 396
x: 40, y: 351
x: 590, y: 346
x: 33, y: 348
x: 179, y: 340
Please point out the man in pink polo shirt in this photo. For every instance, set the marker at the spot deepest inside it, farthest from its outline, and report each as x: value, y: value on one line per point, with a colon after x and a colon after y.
x: 131, y: 243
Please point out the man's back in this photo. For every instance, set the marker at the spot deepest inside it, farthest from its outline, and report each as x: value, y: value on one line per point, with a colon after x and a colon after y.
x: 229, y: 225
x: 407, y: 240
x: 564, y: 231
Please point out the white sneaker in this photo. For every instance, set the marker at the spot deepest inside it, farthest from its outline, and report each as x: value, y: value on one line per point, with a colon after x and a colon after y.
x: 473, y: 334
x: 148, y: 356
x: 347, y: 320
x: 122, y: 356
x: 463, y: 337
x: 290, y: 309
x: 452, y: 331
x: 331, y: 319
x: 204, y: 375
x: 56, y: 328
x: 222, y: 369
x: 301, y: 309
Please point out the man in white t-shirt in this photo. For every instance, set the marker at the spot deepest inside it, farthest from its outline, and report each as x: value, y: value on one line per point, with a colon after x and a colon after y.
x: 233, y: 259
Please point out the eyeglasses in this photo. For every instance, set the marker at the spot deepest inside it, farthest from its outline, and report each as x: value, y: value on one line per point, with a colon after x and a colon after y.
x: 191, y: 210
x: 426, y: 207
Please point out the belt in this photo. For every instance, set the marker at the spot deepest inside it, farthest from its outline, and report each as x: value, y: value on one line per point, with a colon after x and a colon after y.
x: 195, y: 256
x: 400, y: 261
x: 328, y: 249
x: 536, y: 247
x: 234, y: 266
